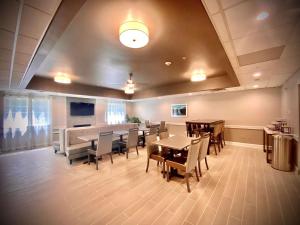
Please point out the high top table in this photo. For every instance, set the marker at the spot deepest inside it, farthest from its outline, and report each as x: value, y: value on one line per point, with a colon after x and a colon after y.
x: 206, y: 124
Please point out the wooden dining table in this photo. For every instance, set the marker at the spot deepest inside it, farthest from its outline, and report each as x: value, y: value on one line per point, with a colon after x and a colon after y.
x: 176, y: 142
x: 94, y: 137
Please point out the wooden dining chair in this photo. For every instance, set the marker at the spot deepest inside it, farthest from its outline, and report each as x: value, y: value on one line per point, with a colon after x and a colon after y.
x: 215, y: 137
x: 132, y: 141
x: 205, y: 137
x: 188, y: 165
x: 154, y: 153
x: 223, y: 133
x: 104, y: 146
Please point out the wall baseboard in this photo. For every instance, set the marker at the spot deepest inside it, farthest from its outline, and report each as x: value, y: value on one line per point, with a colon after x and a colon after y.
x: 246, y: 145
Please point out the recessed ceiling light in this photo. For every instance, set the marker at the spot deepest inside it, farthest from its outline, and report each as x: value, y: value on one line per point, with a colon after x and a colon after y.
x: 190, y: 94
x: 262, y: 15
x: 168, y: 63
x: 183, y: 57
x: 258, y: 74
x: 198, y: 76
x: 62, y: 78
x: 255, y: 86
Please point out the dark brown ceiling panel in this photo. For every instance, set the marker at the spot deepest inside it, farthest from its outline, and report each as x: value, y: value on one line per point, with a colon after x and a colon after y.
x: 46, y: 84
x: 261, y: 56
x: 89, y: 50
x: 63, y: 16
x: 214, y: 83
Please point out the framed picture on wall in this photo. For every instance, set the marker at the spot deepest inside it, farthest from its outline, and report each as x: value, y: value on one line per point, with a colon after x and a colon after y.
x: 179, y: 110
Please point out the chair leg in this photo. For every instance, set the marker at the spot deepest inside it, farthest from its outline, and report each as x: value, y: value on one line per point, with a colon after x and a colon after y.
x: 196, y: 172
x: 157, y: 163
x: 168, y: 175
x: 223, y: 137
x: 219, y: 146
x: 111, y: 158
x: 215, y: 148
x: 164, y: 170
x: 119, y: 148
x: 89, y: 159
x: 187, y: 182
x: 96, y: 158
x: 70, y: 161
x: 206, y: 163
x: 199, y: 167
x: 147, y: 165
x: 127, y: 153
x: 137, y: 151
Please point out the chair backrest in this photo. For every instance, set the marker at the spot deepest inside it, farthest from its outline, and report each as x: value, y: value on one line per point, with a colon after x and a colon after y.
x: 104, y: 143
x: 147, y: 123
x: 164, y: 134
x: 193, y: 154
x: 153, y: 130
x: 204, y: 145
x: 217, y: 129
x: 149, y: 140
x: 162, y: 125
x: 133, y: 136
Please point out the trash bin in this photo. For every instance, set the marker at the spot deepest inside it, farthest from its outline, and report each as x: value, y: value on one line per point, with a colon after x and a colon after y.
x: 282, y: 153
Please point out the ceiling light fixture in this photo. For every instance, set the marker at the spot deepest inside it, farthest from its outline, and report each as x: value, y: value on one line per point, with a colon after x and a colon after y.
x: 62, y: 78
x: 129, y: 88
x: 168, y: 63
x: 262, y: 16
x: 255, y: 86
x: 134, y: 34
x: 198, y: 76
x: 258, y: 74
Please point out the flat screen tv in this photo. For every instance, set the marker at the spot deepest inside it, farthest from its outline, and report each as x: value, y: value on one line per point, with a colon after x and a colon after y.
x: 82, y: 109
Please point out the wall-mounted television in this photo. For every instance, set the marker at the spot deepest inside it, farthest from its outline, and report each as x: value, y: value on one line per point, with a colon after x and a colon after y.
x: 82, y: 109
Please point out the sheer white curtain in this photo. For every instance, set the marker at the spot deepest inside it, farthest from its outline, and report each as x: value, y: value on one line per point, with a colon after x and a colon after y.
x: 115, y: 112
x: 26, y: 122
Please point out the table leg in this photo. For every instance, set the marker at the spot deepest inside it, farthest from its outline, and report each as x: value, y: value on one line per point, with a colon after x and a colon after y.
x: 93, y: 144
x: 264, y: 140
x: 267, y: 150
x: 144, y: 139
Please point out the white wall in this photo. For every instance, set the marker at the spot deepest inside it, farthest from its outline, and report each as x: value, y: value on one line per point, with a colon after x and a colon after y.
x: 59, y: 112
x: 252, y: 107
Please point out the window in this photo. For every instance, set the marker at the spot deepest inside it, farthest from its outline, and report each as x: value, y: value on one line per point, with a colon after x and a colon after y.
x: 26, y: 122
x: 116, y: 112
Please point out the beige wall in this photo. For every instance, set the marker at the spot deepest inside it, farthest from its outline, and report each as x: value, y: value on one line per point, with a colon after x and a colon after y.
x: 252, y: 107
x: 290, y: 109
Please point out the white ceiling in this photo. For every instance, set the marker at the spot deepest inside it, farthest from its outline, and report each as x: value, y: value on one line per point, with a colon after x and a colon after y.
x: 241, y: 33
x: 19, y: 42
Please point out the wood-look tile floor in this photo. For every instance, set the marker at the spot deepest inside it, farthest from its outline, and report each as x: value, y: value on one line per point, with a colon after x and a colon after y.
x: 39, y: 187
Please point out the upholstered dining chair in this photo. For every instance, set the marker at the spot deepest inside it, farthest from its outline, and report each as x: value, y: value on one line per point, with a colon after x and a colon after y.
x: 132, y: 141
x: 154, y: 153
x: 153, y: 129
x: 205, y: 137
x: 104, y: 146
x: 164, y: 134
x: 147, y: 123
x: 186, y: 165
x: 162, y: 126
